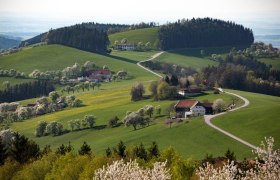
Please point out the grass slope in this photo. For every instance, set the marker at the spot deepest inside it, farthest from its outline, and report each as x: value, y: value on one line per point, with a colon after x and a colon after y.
x: 260, y: 119
x: 57, y: 57
x: 274, y: 62
x: 190, y: 139
x: 187, y: 58
x: 138, y: 35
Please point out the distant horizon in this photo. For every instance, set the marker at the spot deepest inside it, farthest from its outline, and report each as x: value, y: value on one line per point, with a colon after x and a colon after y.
x: 128, y: 12
x: 42, y: 25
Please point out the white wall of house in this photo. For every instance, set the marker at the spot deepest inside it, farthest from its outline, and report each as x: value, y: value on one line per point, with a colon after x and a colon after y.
x: 198, y: 110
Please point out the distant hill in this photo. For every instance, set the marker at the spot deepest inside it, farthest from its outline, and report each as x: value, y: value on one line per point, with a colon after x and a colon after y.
x: 138, y: 35
x: 190, y: 33
x: 6, y: 43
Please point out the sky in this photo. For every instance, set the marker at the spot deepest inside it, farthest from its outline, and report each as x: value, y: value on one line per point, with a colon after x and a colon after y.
x: 131, y: 11
x: 27, y: 18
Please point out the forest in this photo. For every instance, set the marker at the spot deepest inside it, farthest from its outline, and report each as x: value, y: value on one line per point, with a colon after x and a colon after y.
x: 80, y: 37
x: 26, y: 91
x: 203, y: 32
x: 243, y: 72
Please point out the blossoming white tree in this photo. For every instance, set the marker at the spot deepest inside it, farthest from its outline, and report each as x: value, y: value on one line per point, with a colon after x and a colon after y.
x: 267, y: 166
x: 120, y: 170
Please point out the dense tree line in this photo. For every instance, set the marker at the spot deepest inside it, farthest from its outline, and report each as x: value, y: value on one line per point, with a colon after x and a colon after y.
x: 80, y: 37
x: 206, y: 32
x: 89, y: 37
x: 26, y: 90
x: 243, y: 72
x: 260, y: 69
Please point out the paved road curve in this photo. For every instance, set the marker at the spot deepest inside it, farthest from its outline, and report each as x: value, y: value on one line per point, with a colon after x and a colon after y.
x: 207, y: 119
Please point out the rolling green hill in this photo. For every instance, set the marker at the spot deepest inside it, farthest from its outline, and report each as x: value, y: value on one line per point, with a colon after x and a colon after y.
x: 188, y: 58
x: 139, y: 35
x: 193, y: 139
x: 260, y: 119
x: 190, y: 139
x: 57, y: 57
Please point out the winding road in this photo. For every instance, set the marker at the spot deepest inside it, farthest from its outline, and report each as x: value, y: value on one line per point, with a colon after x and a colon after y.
x: 153, y: 57
x: 208, y: 118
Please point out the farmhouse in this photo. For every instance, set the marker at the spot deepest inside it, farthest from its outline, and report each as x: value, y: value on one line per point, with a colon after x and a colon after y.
x: 187, y: 108
x: 129, y: 47
x: 189, y: 91
x: 101, y: 75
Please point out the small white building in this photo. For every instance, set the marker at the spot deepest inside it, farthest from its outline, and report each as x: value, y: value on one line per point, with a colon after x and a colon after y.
x: 188, y: 108
x: 189, y: 91
x: 128, y: 47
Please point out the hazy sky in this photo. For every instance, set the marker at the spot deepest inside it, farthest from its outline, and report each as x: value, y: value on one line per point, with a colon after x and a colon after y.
x: 130, y: 11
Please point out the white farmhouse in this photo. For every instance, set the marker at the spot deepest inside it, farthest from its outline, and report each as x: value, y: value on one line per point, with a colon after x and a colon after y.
x: 187, y: 108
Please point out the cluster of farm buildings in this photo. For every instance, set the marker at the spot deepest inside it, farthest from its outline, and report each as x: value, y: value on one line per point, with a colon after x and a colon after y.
x: 190, y: 107
x: 103, y: 75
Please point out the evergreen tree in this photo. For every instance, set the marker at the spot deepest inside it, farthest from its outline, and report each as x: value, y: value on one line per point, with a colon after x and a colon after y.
x: 153, y: 150
x: 166, y: 79
x: 121, y: 149
x: 2, y: 152
x: 108, y: 152
x: 174, y: 80
x: 85, y: 149
x: 23, y: 149
x: 141, y: 152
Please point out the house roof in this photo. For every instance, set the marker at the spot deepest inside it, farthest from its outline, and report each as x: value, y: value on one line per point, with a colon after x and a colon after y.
x: 186, y: 103
x: 207, y: 105
x: 103, y: 71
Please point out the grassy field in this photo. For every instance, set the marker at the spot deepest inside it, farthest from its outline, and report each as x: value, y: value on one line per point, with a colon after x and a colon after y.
x: 57, y: 57
x: 139, y: 35
x: 260, y: 119
x: 274, y: 62
x: 187, y: 58
x: 190, y: 139
x: 193, y: 139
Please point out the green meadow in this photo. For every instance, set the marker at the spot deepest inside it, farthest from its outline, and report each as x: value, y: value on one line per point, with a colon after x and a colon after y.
x: 187, y: 58
x: 138, y: 35
x: 260, y: 119
x: 192, y: 139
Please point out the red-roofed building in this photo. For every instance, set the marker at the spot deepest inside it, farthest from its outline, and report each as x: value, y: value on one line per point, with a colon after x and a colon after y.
x: 187, y: 108
x: 101, y: 75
